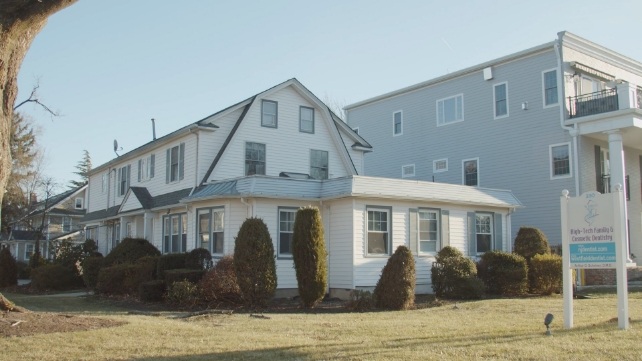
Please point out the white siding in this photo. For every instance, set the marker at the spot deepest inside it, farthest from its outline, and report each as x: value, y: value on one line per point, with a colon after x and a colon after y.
x: 340, y: 230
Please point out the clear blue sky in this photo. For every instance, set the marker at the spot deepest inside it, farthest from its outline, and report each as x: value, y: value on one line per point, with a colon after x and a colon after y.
x: 111, y: 66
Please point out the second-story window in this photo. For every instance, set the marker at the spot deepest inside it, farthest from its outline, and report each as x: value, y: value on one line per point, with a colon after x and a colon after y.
x: 254, y: 158
x: 501, y: 100
x: 397, y: 128
x: 175, y: 167
x: 123, y: 179
x: 66, y: 224
x: 146, y: 168
x: 306, y: 119
x: 269, y: 113
x: 560, y: 160
x: 549, y: 79
x: 318, y: 164
x: 471, y: 174
x: 78, y: 203
x: 450, y: 110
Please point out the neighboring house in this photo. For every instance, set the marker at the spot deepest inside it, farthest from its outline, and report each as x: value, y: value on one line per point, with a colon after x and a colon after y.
x: 61, y: 213
x: 267, y: 156
x: 562, y: 115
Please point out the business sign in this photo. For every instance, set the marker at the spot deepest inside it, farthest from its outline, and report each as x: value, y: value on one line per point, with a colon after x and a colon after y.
x: 591, y: 227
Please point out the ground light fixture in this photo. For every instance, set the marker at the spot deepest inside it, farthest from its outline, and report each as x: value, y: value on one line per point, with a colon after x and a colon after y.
x: 547, y: 322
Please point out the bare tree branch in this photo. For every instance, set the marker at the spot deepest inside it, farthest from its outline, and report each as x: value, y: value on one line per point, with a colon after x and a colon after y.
x: 33, y: 98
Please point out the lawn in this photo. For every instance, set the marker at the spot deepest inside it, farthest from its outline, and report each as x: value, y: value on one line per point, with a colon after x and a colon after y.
x: 493, y: 329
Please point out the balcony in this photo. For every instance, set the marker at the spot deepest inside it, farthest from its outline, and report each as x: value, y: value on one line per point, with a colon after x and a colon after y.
x: 594, y: 103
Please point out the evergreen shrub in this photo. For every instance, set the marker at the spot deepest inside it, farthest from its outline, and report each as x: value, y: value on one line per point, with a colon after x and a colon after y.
x: 454, y: 276
x: 55, y: 277
x: 395, y: 289
x: 546, y: 273
x: 170, y: 261
x: 219, y: 284
x: 8, y: 269
x: 254, y: 263
x: 183, y: 274
x: 199, y: 258
x: 90, y: 268
x: 152, y: 291
x: 309, y: 256
x: 529, y: 242
x: 129, y: 250
x: 122, y: 279
x: 504, y: 274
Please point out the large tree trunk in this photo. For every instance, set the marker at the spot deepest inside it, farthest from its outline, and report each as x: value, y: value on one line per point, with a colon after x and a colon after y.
x: 20, y: 21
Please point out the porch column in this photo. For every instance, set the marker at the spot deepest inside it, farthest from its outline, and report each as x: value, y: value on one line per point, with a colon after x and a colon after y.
x: 147, y: 226
x: 616, y: 162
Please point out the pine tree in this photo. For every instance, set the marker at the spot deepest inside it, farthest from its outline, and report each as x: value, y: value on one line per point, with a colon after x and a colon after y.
x: 84, y: 167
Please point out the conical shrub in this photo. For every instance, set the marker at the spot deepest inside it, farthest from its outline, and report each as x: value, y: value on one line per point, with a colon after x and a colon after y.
x: 395, y: 289
x: 309, y: 255
x: 8, y: 269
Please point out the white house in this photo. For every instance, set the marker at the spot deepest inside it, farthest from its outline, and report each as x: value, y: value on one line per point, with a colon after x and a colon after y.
x: 265, y: 157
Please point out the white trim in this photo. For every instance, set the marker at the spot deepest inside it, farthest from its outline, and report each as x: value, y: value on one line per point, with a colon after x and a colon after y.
x: 404, y: 175
x: 400, y: 123
x: 82, y: 203
x: 356, y: 130
x: 434, y: 163
x: 389, y: 244
x: 437, y: 241
x: 495, y: 116
x: 550, y: 161
x: 448, y: 98
x: 557, y: 100
x: 463, y: 171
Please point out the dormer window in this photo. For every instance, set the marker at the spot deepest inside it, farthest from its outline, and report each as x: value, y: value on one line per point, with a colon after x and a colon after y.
x: 269, y: 113
x: 78, y: 203
x: 306, y: 119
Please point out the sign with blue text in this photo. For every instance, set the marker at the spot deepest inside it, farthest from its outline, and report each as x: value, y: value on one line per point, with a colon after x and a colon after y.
x: 591, y: 226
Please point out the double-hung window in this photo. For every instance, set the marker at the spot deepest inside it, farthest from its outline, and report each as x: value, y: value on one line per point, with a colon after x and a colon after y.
x: 115, y: 234
x: 428, y: 220
x: 254, y: 158
x: 269, y: 113
x: 318, y: 164
x: 211, y: 230
x: 175, y: 163
x: 146, y: 168
x: 560, y: 160
x: 175, y: 233
x: 471, y: 172
x: 286, y: 231
x: 78, y: 203
x: 123, y: 179
x: 450, y: 110
x: 29, y: 249
x: 397, y: 123
x: 104, y: 182
x: 378, y: 231
x: 306, y: 119
x: 549, y: 85
x: 484, y: 232
x: 500, y: 96
x: 66, y: 224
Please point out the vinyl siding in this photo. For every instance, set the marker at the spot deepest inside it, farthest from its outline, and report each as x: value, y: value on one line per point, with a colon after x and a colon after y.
x: 340, y: 232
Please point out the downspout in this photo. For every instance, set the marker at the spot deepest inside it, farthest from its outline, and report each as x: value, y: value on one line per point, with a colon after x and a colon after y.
x: 573, y: 132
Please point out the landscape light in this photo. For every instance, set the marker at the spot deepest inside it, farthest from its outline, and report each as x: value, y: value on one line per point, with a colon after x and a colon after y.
x: 547, y: 322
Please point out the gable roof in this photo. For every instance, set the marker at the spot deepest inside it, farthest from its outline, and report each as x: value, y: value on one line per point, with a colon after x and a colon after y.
x: 56, y: 200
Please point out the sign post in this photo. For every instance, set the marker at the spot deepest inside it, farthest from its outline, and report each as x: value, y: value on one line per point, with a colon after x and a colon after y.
x: 593, y: 236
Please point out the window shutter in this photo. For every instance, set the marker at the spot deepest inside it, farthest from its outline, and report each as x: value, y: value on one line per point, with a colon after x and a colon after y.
x: 129, y: 178
x: 498, y: 236
x: 181, y: 162
x: 413, y: 243
x: 472, y: 239
x: 445, y: 228
x: 598, y: 170
x: 152, y: 160
x: 118, y: 181
x: 167, y: 161
x: 140, y: 169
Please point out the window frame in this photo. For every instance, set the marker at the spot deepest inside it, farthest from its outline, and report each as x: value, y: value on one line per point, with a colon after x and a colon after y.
x: 314, y: 167
x: 66, y: 224
x: 492, y: 231
x: 544, y: 89
x: 463, y: 172
x: 404, y: 175
x: 434, y: 165
x: 27, y: 253
x: 168, y: 231
x: 437, y: 241
x: 495, y: 100
x: 551, y: 161
x: 443, y: 122
x: 301, y: 120
x: 394, y: 123
x: 82, y: 203
x: 212, y: 240
x: 263, y: 114
x: 279, y: 231
x: 146, y: 167
x: 264, y: 162
x: 123, y: 180
x: 388, y: 232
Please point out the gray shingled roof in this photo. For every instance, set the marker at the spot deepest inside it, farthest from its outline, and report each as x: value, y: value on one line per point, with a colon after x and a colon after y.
x: 142, y: 194
x: 169, y: 199
x: 101, y: 214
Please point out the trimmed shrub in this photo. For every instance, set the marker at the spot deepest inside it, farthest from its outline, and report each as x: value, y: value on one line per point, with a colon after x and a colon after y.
x: 23, y: 270
x: 504, y: 274
x: 254, y: 262
x: 531, y: 241
x: 395, y: 289
x: 183, y: 274
x: 199, y: 258
x: 309, y: 256
x: 546, y: 273
x: 130, y: 250
x: 90, y: 268
x: 360, y: 301
x: 182, y: 293
x: 122, y: 279
x: 152, y: 291
x: 455, y: 276
x: 55, y: 277
x: 219, y: 284
x: 8, y: 269
x: 170, y: 261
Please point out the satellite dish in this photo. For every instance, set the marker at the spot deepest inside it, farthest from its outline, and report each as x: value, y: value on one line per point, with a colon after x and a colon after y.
x: 116, y: 148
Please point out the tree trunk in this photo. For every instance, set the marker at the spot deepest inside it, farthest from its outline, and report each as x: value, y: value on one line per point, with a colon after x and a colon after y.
x: 20, y: 21
x: 6, y: 305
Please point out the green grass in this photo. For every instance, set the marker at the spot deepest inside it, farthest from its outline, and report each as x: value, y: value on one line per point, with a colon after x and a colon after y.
x: 495, y: 329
